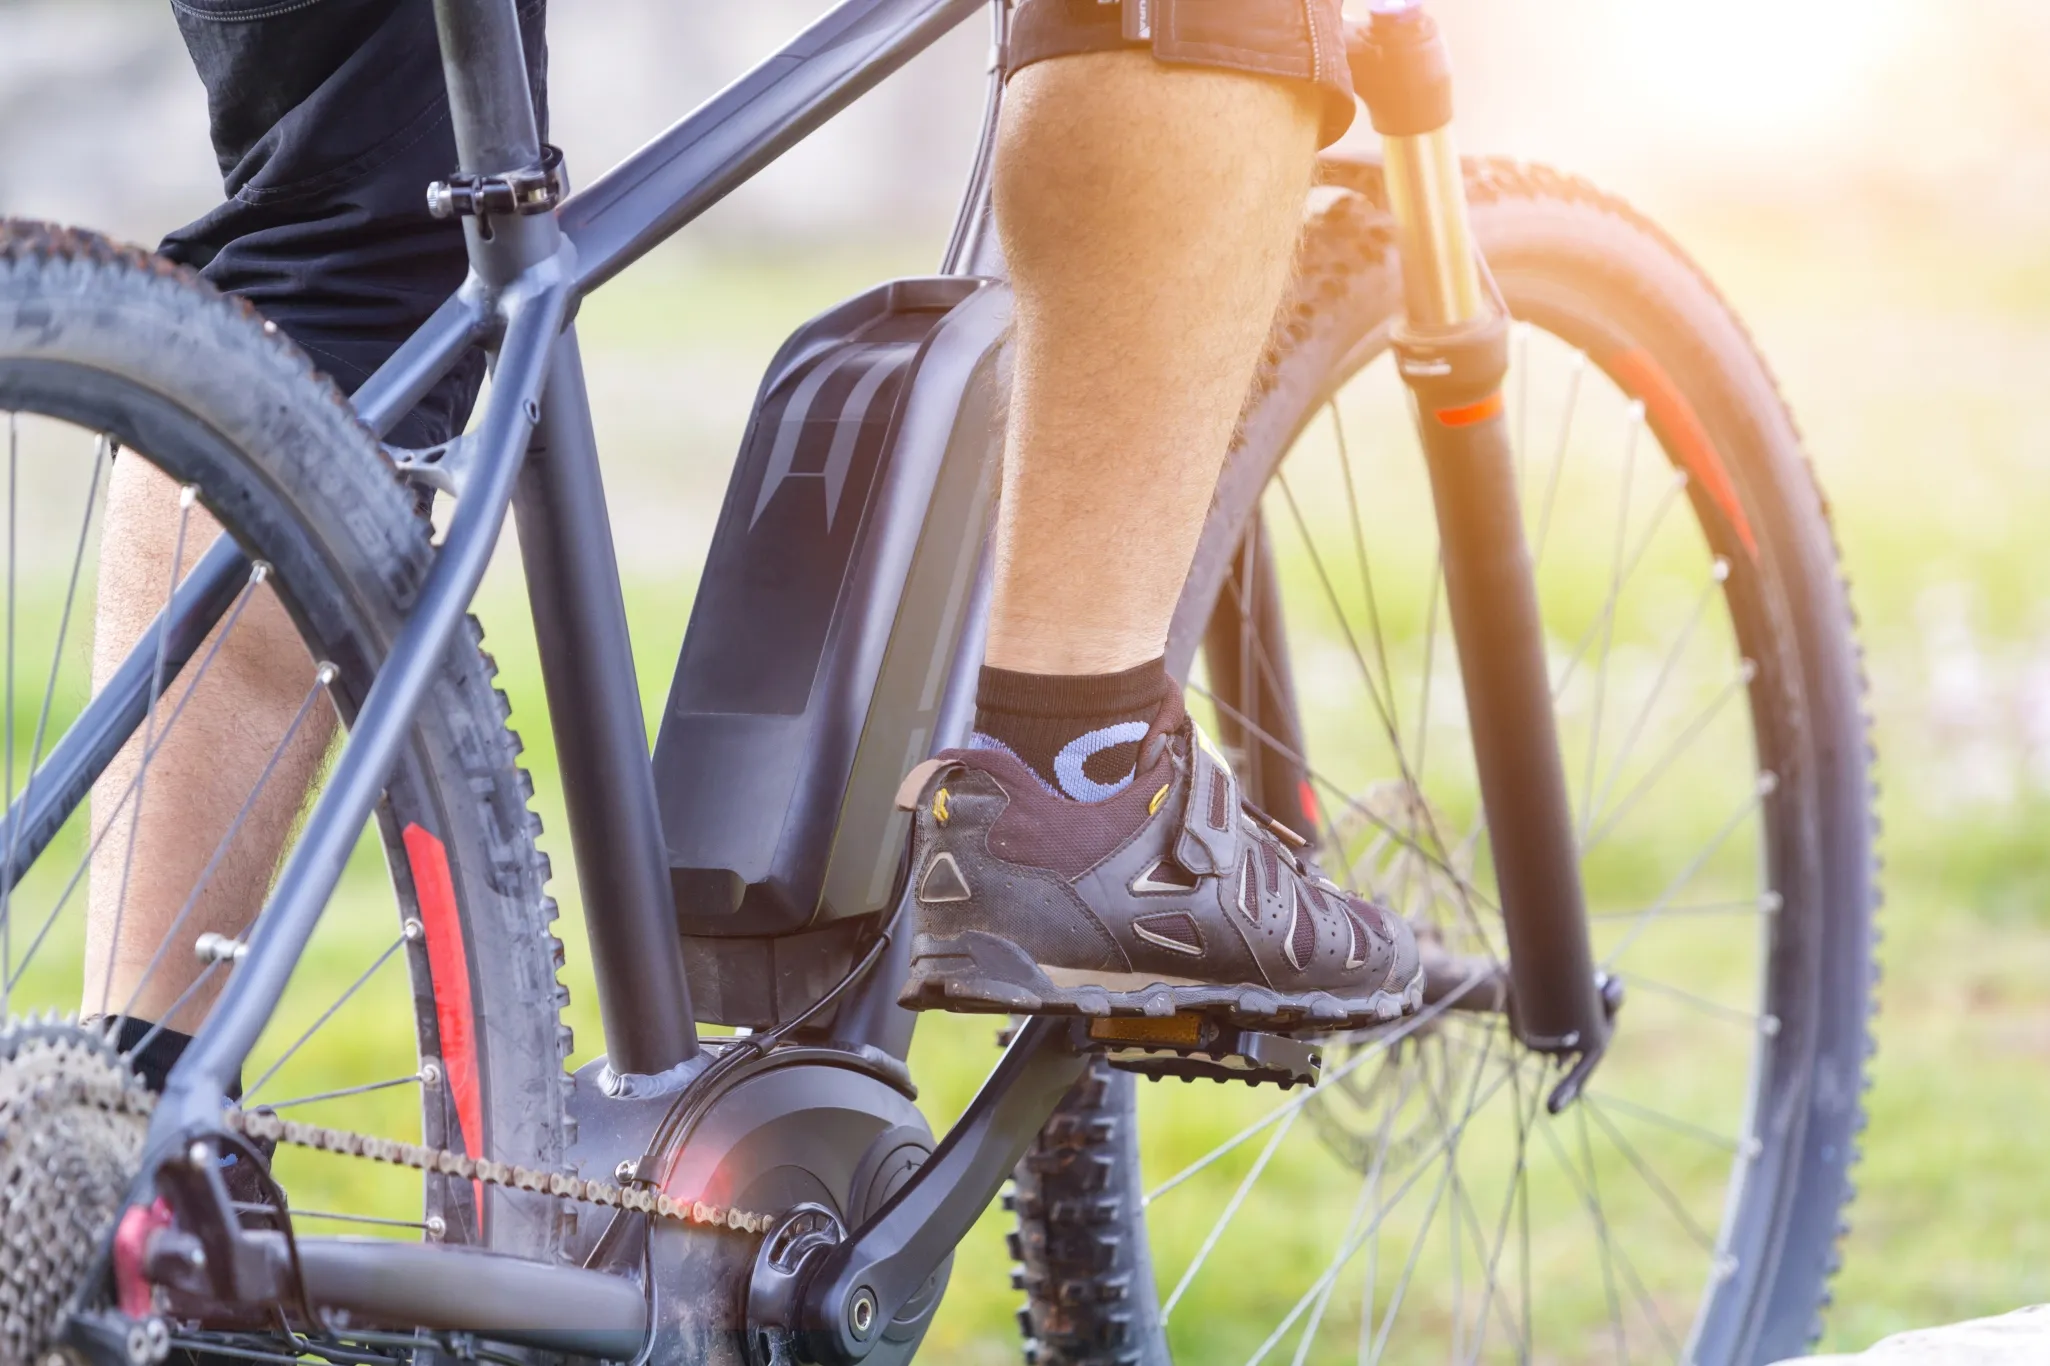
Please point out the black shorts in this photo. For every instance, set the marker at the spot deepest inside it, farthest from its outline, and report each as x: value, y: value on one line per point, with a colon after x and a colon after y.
x: 1290, y: 40
x: 329, y: 119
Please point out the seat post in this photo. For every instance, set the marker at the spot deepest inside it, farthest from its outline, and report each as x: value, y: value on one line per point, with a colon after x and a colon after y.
x: 490, y: 105
x: 491, y: 108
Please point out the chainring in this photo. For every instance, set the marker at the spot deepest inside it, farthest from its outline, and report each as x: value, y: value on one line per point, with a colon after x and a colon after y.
x: 72, y: 1123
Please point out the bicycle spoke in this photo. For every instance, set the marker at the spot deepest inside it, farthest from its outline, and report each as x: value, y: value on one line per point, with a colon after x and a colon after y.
x: 1575, y: 368
x: 1762, y: 789
x: 1345, y: 1254
x: 413, y: 1079
x: 1520, y: 1334
x: 256, y: 576
x: 1453, y: 1134
x: 1593, y: 1205
x: 1230, y: 1211
x: 187, y: 497
x: 1613, y: 600
x: 1347, y: 800
x: 1367, y: 673
x: 322, y: 677
x: 336, y: 1216
x: 328, y: 1014
x: 1376, y: 1048
x: 1590, y: 1193
x: 1657, y: 1183
x: 13, y: 560
x: 1634, y: 425
x: 1767, y: 1025
x: 1463, y: 1209
x: 1519, y: 365
x: 1694, y: 730
x: 1344, y: 624
x: 1598, y: 797
x: 1432, y: 599
x: 1370, y: 1187
x: 1359, y: 548
x: 1674, y: 1124
x: 1764, y: 904
x: 102, y: 450
x: 1401, y: 1290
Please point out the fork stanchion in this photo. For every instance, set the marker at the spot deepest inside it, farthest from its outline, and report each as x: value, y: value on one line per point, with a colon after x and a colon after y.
x: 1452, y: 353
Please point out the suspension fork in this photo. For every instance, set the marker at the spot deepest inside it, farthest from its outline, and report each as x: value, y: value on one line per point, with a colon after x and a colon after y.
x: 1452, y: 352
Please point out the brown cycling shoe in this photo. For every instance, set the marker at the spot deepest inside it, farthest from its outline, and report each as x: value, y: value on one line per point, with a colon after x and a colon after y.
x: 1170, y: 896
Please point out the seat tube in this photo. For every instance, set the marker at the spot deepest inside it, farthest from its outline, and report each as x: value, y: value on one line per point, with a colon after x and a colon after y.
x: 1452, y: 352
x: 601, y: 744
x: 572, y: 575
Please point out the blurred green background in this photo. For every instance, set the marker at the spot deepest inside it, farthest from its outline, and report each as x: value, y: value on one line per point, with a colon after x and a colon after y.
x: 1869, y: 184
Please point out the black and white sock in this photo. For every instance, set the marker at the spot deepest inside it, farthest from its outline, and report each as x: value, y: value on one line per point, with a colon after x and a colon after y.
x: 1079, y: 732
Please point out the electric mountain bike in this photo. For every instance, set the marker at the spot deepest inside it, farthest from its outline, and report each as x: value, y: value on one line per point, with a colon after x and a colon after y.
x: 1516, y: 599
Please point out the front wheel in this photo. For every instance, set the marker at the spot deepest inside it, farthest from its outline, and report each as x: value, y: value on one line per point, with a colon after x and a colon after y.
x: 1422, y: 1204
x: 425, y: 1011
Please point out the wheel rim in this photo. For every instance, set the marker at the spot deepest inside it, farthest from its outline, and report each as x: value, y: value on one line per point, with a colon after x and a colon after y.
x: 1422, y: 1205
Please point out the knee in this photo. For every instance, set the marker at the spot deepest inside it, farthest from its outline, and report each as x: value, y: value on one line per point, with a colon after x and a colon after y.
x: 1067, y: 155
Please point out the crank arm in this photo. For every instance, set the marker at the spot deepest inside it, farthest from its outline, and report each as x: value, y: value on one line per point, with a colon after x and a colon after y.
x: 861, y: 1285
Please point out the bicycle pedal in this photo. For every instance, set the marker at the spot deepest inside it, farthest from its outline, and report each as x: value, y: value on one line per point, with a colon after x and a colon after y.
x: 1197, y: 1048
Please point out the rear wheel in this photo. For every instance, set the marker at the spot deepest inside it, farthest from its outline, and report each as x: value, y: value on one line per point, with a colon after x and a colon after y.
x: 427, y: 1009
x: 1421, y: 1204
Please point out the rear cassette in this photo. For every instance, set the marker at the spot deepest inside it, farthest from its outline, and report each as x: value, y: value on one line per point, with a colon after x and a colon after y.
x: 72, y: 1123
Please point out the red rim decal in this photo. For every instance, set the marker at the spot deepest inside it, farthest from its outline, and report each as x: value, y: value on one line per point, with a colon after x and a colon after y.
x: 1468, y: 414
x: 1307, y: 796
x: 1673, y: 417
x: 449, y: 965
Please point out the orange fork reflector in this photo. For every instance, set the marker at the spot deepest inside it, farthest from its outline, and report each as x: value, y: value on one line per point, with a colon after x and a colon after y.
x: 1466, y: 415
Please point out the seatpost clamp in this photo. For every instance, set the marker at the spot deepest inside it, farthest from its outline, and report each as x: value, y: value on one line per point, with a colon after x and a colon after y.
x: 535, y: 189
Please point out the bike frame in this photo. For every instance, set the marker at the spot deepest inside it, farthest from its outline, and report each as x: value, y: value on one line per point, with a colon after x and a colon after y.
x: 532, y: 451
x: 526, y: 278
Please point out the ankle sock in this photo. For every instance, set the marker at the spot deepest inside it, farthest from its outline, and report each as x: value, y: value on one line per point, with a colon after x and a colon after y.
x: 1079, y: 732
x: 153, y: 1062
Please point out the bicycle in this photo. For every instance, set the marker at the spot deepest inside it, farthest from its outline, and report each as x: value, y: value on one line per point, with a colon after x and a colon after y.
x: 775, y: 1194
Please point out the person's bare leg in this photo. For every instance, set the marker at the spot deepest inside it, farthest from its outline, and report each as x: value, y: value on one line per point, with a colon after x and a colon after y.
x: 1149, y: 214
x: 203, y: 771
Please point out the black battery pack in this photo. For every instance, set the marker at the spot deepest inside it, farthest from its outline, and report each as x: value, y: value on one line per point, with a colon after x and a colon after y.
x: 824, y: 634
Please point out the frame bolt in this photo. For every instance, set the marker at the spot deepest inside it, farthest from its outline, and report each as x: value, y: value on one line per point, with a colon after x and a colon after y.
x: 861, y: 1313
x: 628, y: 1169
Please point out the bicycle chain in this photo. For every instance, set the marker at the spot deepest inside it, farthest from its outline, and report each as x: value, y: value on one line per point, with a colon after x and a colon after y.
x: 265, y: 1125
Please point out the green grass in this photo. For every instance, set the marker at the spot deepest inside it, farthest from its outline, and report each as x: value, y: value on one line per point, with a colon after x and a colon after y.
x: 1916, y: 387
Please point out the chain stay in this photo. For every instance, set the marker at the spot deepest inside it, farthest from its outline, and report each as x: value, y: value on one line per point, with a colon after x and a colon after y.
x: 265, y: 1125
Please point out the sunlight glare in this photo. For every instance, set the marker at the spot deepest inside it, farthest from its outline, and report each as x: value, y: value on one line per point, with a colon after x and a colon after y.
x: 1758, y: 67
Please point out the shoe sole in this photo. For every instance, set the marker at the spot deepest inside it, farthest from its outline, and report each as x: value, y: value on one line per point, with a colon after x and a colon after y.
x: 978, y: 973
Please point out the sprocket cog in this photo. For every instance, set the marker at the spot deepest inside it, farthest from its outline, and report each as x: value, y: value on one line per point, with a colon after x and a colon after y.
x: 73, y: 1118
